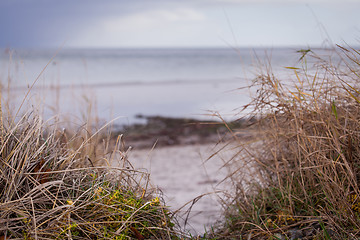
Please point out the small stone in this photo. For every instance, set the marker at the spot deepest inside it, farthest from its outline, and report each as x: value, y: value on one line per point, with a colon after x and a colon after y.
x: 279, y: 236
x: 295, y: 234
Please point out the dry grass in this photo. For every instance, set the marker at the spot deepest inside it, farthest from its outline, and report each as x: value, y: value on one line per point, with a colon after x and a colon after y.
x: 304, y: 174
x: 52, y: 186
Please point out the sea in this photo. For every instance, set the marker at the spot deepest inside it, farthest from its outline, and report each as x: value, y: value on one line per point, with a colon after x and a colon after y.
x: 122, y: 84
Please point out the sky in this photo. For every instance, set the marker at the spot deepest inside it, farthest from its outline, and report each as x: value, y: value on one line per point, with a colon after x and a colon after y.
x: 177, y: 23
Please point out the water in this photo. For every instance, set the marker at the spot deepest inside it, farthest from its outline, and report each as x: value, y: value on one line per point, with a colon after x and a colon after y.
x: 126, y: 82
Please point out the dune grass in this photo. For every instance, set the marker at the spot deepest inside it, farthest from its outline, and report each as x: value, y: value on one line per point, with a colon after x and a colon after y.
x: 298, y: 177
x: 54, y: 185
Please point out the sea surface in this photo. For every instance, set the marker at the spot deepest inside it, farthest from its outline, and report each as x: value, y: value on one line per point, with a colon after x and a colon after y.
x: 123, y: 83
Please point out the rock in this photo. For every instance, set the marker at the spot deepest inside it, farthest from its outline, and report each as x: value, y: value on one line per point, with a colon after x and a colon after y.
x: 295, y: 234
x: 279, y: 236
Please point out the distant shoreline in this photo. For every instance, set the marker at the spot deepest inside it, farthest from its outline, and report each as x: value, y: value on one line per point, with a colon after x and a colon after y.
x: 168, y: 131
x: 129, y: 83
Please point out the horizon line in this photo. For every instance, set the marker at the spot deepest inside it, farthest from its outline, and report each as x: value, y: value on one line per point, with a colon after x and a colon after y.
x: 2, y: 48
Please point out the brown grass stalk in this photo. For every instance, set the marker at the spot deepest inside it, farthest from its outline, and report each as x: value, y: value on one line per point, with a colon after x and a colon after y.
x: 302, y: 171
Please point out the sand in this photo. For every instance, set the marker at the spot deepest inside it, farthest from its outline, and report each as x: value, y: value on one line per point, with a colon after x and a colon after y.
x: 183, y: 173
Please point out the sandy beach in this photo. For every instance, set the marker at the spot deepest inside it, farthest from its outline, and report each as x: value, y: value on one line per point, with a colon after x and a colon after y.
x: 185, y: 163
x: 183, y: 173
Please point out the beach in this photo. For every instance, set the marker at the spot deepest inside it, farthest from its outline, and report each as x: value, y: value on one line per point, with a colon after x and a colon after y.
x: 183, y: 173
x: 188, y: 162
x: 169, y: 129
x: 180, y: 120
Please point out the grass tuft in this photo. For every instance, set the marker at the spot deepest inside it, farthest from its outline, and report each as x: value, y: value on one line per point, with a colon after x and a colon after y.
x: 298, y: 177
x: 49, y: 189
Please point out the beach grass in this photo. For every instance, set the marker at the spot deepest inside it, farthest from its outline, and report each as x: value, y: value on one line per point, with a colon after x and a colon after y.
x: 298, y: 177
x: 59, y: 184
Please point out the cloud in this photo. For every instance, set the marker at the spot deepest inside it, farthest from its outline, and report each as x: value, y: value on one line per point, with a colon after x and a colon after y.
x: 44, y: 23
x: 151, y: 19
x: 240, y: 2
x: 159, y: 27
x: 118, y: 23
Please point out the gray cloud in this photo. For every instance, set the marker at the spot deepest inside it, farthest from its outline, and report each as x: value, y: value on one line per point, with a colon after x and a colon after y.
x: 48, y: 23
x: 25, y: 23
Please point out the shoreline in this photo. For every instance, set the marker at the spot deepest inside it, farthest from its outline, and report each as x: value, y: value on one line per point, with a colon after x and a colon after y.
x: 162, y: 131
x: 183, y: 159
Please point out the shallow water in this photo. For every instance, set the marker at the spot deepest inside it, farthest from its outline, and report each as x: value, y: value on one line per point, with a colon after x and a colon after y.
x: 125, y: 82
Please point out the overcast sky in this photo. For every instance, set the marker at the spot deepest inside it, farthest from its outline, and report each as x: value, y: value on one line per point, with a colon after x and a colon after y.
x: 177, y: 23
